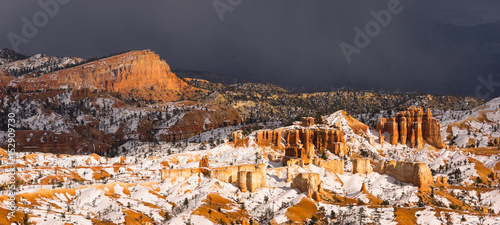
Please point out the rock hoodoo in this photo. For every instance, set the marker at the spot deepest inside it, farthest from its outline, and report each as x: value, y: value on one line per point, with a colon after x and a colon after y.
x: 442, y: 180
x: 307, y: 121
x: 361, y: 166
x: 303, y: 143
x: 413, y: 127
x: 309, y: 183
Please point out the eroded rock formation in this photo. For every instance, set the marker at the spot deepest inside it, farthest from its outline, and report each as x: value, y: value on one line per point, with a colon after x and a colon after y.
x: 336, y: 166
x: 309, y: 183
x: 172, y: 173
x: 494, y: 142
x: 134, y: 75
x: 204, y: 167
x: 418, y: 173
x: 250, y: 180
x: 412, y: 126
x: 361, y: 166
x: 303, y: 143
x: 246, y: 177
x: 80, y: 105
x: 62, y: 143
x: 442, y: 180
x: 307, y: 121
x: 204, y: 162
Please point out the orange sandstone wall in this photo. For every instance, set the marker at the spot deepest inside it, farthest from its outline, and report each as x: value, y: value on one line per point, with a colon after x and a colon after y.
x: 336, y: 166
x: 361, y: 166
x: 309, y: 183
x: 418, y: 173
x: 136, y: 74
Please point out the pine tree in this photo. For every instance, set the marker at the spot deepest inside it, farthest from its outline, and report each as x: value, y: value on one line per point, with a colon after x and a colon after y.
x: 376, y: 214
x: 361, y: 216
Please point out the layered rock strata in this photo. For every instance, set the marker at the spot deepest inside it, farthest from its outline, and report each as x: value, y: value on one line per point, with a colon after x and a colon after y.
x: 303, y: 143
x: 246, y: 177
x: 136, y: 75
x: 418, y: 173
x: 309, y: 183
x: 362, y: 166
x: 336, y: 166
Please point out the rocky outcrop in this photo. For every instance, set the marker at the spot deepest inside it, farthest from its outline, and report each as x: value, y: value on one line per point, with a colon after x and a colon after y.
x: 194, y: 122
x: 431, y: 129
x: 204, y: 162
x: 307, y: 121
x: 139, y: 75
x: 61, y: 143
x: 309, y: 183
x: 336, y: 166
x: 80, y: 105
x: 250, y: 180
x: 381, y: 138
x: 297, y: 152
x: 246, y: 177
x: 303, y: 143
x: 270, y: 138
x: 295, y: 162
x: 237, y: 135
x: 494, y: 142
x: 331, y: 139
x: 173, y: 173
x: 204, y: 167
x: 362, y: 166
x: 253, y: 176
x: 412, y: 126
x: 494, y: 175
x: 442, y: 180
x: 418, y: 173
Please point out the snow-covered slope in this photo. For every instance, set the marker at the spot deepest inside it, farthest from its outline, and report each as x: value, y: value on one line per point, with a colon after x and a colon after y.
x: 475, y: 128
x: 37, y: 64
x: 88, y: 189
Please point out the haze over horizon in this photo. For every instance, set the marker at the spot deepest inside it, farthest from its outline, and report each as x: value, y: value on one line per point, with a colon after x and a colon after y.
x: 434, y: 47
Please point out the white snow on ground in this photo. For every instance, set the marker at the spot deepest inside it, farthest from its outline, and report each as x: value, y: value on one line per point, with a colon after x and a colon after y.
x: 134, y: 182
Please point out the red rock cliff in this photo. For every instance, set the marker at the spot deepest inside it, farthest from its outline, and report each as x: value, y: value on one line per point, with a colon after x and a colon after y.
x: 139, y: 75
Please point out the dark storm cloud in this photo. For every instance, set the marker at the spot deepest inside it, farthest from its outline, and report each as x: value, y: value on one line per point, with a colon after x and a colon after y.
x: 287, y: 42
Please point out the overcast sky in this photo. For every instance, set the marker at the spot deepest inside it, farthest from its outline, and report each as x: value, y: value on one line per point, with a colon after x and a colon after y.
x: 441, y: 47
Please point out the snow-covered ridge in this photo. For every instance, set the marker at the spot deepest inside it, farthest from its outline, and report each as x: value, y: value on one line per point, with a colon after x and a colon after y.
x: 38, y: 64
